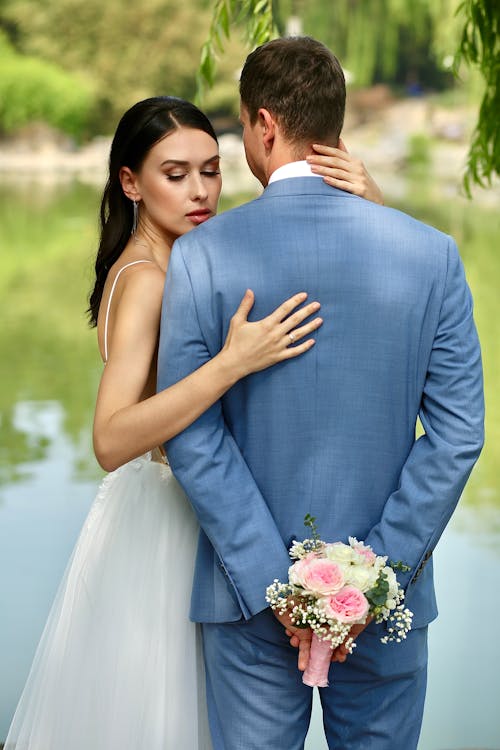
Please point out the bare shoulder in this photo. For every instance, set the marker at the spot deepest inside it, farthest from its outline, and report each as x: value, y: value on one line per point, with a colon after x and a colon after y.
x: 132, y: 314
x: 146, y: 276
x: 142, y: 285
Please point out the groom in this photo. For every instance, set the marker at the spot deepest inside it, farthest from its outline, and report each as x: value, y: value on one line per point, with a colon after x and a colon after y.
x: 332, y: 433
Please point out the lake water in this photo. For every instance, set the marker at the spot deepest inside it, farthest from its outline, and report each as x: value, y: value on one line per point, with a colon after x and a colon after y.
x: 49, y: 372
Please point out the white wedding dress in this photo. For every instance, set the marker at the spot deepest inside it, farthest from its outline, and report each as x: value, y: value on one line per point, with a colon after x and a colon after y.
x: 119, y: 665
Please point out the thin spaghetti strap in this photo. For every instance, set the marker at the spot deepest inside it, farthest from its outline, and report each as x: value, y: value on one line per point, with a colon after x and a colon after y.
x: 133, y: 263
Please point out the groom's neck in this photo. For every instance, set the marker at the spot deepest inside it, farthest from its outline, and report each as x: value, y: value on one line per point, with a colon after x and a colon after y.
x: 285, y: 153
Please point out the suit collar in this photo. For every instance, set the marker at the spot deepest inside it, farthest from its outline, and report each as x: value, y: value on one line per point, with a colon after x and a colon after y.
x: 303, y: 186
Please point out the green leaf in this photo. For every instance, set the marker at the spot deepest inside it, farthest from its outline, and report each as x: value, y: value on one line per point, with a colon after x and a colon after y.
x: 207, y: 66
x: 224, y: 19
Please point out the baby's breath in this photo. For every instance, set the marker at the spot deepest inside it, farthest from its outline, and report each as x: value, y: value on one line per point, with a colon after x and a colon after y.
x: 306, y: 608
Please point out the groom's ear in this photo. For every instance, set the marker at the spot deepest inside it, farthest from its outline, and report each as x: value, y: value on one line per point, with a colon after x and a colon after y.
x: 268, y: 127
x: 128, y: 182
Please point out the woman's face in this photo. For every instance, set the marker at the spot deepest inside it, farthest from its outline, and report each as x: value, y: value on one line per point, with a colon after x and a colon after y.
x: 179, y: 182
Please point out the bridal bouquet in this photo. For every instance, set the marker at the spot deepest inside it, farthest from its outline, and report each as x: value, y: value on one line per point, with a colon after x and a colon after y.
x: 333, y: 586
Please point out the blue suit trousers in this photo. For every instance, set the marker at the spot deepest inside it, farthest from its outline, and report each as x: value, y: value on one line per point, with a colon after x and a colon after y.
x: 374, y: 701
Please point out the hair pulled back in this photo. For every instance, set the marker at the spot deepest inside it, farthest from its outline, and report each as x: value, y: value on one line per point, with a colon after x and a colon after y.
x: 143, y: 125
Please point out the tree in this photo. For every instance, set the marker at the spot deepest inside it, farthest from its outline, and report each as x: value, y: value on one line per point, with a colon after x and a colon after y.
x: 368, y: 36
x: 357, y: 30
x: 127, y: 51
x: 480, y: 47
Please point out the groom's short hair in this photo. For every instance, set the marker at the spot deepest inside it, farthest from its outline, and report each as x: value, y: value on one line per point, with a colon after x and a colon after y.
x: 301, y: 83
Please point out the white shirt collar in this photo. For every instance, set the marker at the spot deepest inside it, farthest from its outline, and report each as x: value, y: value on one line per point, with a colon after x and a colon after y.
x: 293, y: 169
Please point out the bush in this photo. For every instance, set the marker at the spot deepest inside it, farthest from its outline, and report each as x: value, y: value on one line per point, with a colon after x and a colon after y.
x: 34, y: 90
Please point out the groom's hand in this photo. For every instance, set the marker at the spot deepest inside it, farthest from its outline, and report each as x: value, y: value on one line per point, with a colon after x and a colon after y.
x: 341, y: 652
x: 299, y: 638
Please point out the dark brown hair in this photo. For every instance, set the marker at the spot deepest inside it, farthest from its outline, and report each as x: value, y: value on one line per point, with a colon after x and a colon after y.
x: 139, y: 129
x: 301, y: 83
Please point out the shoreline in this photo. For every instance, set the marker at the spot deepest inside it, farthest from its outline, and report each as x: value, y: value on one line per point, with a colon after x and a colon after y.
x: 400, y: 141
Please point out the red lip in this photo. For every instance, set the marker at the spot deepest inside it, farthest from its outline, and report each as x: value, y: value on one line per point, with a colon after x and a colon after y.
x: 199, y: 216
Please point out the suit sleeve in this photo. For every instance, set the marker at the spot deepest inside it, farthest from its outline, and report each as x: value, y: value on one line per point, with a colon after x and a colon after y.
x: 208, y: 464
x: 452, y: 415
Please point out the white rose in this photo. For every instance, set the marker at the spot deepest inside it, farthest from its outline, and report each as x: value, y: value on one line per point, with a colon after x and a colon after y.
x: 340, y: 553
x: 363, y: 578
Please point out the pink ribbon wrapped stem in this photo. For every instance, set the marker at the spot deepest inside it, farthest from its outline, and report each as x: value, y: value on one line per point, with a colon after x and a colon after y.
x: 316, y: 674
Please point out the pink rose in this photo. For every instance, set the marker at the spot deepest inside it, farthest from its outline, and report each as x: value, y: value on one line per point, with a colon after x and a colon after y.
x: 367, y: 553
x: 317, y: 575
x: 347, y: 605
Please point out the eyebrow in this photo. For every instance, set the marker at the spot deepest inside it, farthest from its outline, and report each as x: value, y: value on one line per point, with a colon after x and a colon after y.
x: 179, y: 163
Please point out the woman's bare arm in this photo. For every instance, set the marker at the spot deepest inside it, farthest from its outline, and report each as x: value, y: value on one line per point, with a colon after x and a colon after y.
x: 126, y: 424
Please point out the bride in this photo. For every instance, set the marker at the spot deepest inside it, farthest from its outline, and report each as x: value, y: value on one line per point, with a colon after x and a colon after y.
x: 119, y: 663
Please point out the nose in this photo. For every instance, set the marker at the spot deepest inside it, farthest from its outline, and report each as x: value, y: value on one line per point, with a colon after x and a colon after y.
x: 199, y: 190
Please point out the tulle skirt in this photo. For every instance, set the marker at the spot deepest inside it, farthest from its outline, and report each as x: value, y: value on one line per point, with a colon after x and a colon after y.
x: 119, y: 665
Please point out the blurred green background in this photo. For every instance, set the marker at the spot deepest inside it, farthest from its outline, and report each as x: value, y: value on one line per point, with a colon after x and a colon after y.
x: 78, y: 65
x: 68, y: 70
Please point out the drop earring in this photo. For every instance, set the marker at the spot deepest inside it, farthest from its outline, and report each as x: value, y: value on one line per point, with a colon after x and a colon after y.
x: 135, y: 217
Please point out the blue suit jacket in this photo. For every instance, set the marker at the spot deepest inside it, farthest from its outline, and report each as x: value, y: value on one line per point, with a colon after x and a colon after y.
x: 331, y: 433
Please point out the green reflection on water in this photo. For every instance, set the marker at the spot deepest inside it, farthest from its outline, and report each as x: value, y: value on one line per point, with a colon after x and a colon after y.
x: 49, y: 353
x: 476, y: 230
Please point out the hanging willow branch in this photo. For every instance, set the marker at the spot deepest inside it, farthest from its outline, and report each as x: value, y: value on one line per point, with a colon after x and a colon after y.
x: 480, y: 47
x: 258, y: 20
x: 367, y: 31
